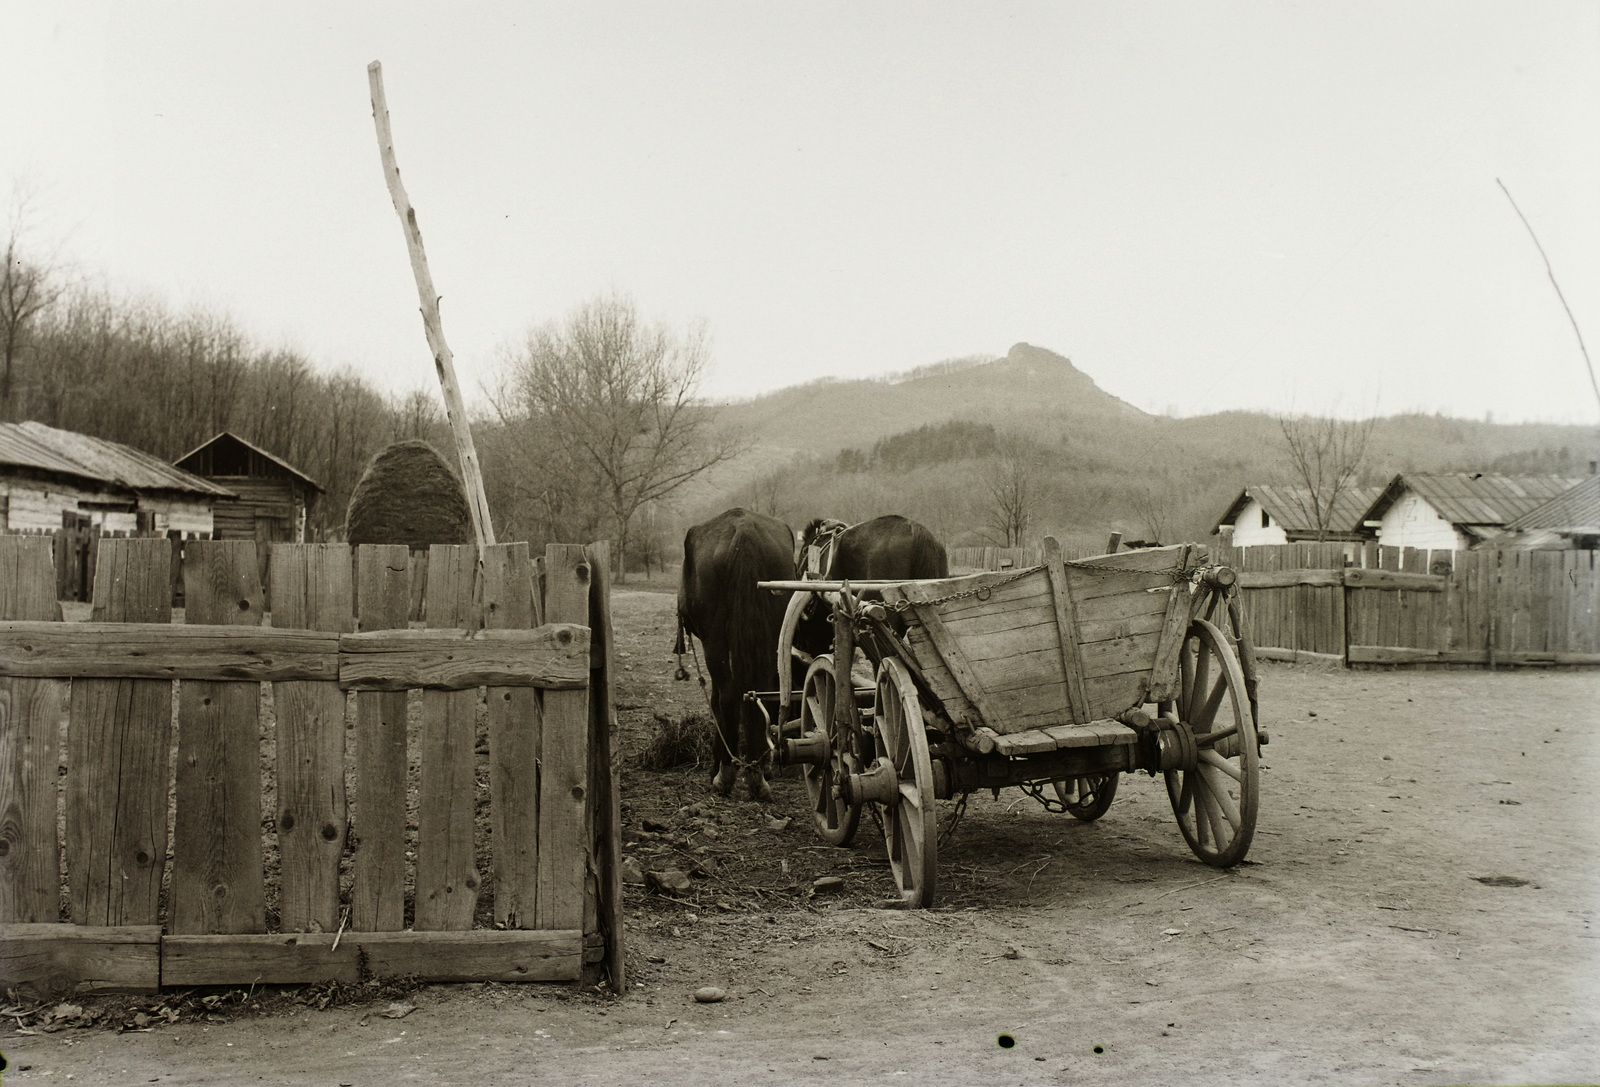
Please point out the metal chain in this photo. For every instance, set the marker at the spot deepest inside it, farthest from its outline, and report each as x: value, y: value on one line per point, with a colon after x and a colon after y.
x: 1035, y: 789
x: 955, y: 818
x: 982, y: 591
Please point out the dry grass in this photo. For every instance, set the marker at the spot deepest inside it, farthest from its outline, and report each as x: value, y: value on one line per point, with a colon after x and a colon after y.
x: 679, y: 740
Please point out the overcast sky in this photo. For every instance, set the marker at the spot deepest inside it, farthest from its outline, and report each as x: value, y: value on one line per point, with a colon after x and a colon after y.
x: 1204, y: 205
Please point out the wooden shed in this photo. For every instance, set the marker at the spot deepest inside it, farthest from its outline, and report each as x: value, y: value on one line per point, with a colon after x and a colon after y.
x: 274, y: 495
x: 52, y: 479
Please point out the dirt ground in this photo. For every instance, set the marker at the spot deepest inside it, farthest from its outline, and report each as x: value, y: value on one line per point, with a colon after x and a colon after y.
x: 1418, y: 908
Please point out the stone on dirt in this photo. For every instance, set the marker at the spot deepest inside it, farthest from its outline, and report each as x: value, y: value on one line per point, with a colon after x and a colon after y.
x: 827, y: 885
x: 709, y: 994
x: 673, y: 881
x: 631, y: 871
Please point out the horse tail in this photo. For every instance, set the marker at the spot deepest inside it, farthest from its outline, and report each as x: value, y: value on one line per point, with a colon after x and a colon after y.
x: 754, y: 619
x: 932, y: 559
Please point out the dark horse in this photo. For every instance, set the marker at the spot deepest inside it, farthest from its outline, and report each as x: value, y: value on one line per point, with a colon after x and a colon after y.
x: 737, y: 624
x: 887, y: 548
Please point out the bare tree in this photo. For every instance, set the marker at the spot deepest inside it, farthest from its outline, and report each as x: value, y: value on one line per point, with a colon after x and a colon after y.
x: 1325, y: 459
x: 1153, y: 506
x: 620, y: 394
x: 28, y: 287
x: 1011, y: 481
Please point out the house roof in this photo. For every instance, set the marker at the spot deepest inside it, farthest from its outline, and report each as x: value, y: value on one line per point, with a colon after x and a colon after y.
x: 1476, y: 498
x: 45, y: 448
x: 1291, y: 507
x: 1576, y: 507
x: 227, y: 437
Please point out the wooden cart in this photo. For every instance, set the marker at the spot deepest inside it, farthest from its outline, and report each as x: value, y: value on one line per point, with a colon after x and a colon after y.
x: 1056, y: 679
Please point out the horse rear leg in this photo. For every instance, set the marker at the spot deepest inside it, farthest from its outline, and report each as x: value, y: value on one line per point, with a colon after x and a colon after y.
x: 726, y: 705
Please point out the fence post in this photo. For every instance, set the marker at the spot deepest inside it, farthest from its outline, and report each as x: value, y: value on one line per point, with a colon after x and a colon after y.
x: 516, y: 731
x: 563, y: 781
x: 377, y: 897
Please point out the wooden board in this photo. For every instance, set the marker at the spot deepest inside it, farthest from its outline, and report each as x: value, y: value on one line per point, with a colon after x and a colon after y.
x: 164, y: 652
x: 516, y: 729
x: 118, y: 742
x: 1386, y: 654
x: 447, y: 872
x: 298, y: 958
x: 217, y: 881
x: 54, y: 960
x: 554, y: 656
x: 564, y: 775
x: 32, y: 713
x: 377, y: 896
x: 311, y: 589
x: 604, y: 771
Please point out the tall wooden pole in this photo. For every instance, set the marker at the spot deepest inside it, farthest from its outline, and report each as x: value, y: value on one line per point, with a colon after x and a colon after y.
x: 443, y: 361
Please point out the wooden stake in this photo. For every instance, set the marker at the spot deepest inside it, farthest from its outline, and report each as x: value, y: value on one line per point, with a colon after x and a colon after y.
x: 443, y: 361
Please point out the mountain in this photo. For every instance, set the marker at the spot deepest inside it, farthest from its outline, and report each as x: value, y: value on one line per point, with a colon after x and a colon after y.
x: 827, y: 415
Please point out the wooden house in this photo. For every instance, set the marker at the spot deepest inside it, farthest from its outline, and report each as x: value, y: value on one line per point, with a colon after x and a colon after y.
x: 51, y: 479
x: 1456, y: 511
x: 1266, y: 515
x: 274, y: 495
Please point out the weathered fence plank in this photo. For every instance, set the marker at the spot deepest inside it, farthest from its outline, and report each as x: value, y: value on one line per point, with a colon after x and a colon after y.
x: 377, y: 896
x: 563, y: 779
x: 55, y: 960
x: 118, y: 741
x: 447, y: 874
x: 554, y: 656
x: 516, y: 730
x: 210, y: 652
x: 311, y: 589
x: 31, y: 715
x: 217, y: 879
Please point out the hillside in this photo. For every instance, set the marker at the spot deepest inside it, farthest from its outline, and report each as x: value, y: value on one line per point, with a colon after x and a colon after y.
x: 824, y: 416
x: 1093, y: 462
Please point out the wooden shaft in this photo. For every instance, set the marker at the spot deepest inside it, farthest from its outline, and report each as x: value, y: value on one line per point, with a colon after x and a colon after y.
x: 432, y: 325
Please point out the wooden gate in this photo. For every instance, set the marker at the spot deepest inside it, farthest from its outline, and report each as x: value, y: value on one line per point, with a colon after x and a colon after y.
x: 388, y: 765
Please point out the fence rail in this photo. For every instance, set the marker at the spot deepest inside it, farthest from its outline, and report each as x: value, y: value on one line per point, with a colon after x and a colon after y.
x: 245, y: 725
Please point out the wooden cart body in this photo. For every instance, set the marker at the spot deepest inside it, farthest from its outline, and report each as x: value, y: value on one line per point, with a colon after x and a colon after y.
x: 1068, y: 643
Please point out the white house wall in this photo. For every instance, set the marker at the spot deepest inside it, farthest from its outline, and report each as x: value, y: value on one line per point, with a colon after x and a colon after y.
x: 1247, y: 530
x: 1412, y: 522
x: 32, y: 506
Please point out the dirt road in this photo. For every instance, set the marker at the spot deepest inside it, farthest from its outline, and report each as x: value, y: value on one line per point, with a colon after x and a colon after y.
x: 1419, y: 907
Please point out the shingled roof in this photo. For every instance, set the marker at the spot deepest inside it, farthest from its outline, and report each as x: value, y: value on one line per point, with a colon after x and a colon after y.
x: 1290, y: 508
x: 1476, y: 498
x: 65, y: 452
x: 1575, y: 508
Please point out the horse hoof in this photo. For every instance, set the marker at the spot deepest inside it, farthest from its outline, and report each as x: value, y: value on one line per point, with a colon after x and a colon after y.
x: 760, y: 791
x: 722, y: 781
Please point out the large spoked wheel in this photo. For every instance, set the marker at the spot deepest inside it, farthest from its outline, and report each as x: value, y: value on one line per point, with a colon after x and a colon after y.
x: 834, y: 820
x: 1216, y: 802
x: 1087, y: 798
x: 910, y: 820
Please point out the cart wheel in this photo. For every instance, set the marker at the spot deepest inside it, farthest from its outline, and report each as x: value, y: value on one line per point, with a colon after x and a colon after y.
x: 1087, y: 798
x: 910, y: 821
x: 834, y: 820
x: 1216, y: 801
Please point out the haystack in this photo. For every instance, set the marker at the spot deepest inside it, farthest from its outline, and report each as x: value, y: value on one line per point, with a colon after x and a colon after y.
x: 408, y: 495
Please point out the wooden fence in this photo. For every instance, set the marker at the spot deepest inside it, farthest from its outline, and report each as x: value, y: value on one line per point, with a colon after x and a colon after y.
x: 1305, y: 602
x: 371, y: 855
x: 1411, y: 606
